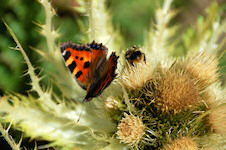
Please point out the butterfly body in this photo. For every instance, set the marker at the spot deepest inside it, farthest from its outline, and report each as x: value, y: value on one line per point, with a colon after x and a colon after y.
x: 88, y: 63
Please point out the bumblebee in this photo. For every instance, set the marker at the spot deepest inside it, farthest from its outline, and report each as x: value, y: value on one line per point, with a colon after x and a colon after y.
x: 134, y: 56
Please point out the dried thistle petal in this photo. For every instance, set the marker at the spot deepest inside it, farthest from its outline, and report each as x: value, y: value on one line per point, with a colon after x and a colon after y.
x: 130, y: 130
x: 175, y: 92
x: 183, y: 143
x: 203, y: 67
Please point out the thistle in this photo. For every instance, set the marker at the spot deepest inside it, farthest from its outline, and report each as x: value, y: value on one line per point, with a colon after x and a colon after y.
x: 183, y: 143
x: 217, y: 120
x: 131, y: 130
x: 174, y: 92
x: 132, y: 80
x: 203, y: 67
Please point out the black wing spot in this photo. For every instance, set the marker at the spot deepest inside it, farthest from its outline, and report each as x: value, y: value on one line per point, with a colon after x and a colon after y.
x: 86, y: 64
x: 67, y: 55
x: 72, y: 66
x: 78, y: 74
x: 76, y: 57
x: 81, y: 58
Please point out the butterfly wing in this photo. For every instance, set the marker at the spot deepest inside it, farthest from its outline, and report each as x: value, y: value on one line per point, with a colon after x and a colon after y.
x: 99, y: 54
x: 78, y: 59
x: 107, y: 74
x: 89, y: 66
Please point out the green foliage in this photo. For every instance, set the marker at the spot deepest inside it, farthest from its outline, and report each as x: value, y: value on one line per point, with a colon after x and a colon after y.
x: 133, y: 17
x: 11, y: 67
x: 22, y: 17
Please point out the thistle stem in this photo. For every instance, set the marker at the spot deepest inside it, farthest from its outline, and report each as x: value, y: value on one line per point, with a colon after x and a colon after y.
x: 8, y: 138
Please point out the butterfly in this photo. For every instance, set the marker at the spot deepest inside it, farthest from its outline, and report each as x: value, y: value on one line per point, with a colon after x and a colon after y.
x: 89, y: 65
x: 134, y: 56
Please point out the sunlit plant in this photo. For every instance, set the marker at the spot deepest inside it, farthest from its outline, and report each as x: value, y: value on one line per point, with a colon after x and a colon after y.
x: 164, y: 102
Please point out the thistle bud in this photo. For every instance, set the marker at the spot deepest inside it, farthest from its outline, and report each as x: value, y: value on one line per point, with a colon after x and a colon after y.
x: 131, y: 130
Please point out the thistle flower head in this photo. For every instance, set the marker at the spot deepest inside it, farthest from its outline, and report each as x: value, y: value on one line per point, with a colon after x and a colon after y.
x: 203, y: 67
x: 130, y: 130
x: 135, y: 77
x: 212, y: 141
x: 175, y: 92
x: 217, y: 120
x: 215, y: 100
x: 111, y: 103
x: 183, y: 143
x: 114, y: 107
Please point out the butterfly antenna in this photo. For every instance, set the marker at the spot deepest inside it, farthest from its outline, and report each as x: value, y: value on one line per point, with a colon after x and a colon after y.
x: 91, y: 105
x: 101, y: 97
x: 81, y: 112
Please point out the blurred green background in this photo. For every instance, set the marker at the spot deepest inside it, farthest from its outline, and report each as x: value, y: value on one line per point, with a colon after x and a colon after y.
x: 131, y: 17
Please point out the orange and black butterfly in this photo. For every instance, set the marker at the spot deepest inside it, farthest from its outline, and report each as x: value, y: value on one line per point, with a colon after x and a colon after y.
x: 88, y: 63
